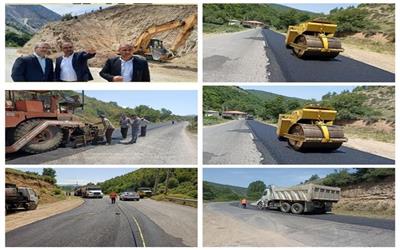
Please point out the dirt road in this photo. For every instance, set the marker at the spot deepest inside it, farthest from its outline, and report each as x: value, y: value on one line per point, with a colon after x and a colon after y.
x: 22, y: 218
x: 251, y: 227
x: 158, y: 72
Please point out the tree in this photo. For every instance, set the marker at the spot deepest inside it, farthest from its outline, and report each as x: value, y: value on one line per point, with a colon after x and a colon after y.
x: 312, y: 178
x: 49, y: 172
x: 255, y: 189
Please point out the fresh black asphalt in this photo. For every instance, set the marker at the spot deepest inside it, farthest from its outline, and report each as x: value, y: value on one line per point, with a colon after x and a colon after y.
x: 282, y: 153
x: 345, y: 219
x: 286, y: 67
x: 25, y: 158
x: 96, y: 223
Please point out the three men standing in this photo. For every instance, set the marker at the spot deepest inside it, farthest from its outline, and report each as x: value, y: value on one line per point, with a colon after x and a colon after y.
x: 34, y: 68
x: 72, y: 66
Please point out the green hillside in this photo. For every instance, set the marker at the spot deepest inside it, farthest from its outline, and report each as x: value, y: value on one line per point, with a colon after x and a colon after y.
x: 182, y: 181
x: 220, y: 192
x: 221, y: 98
x: 273, y: 15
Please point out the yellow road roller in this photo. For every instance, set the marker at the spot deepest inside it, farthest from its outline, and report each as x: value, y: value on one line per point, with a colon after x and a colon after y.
x: 311, y: 128
x: 314, y: 39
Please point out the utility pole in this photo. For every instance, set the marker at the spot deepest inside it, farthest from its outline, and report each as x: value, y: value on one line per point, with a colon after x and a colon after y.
x: 156, y: 181
x: 166, y: 181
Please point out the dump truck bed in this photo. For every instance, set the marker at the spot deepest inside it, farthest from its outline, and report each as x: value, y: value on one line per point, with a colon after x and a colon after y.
x: 308, y: 192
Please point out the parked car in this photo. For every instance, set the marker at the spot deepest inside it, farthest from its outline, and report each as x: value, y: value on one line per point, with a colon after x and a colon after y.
x: 129, y: 196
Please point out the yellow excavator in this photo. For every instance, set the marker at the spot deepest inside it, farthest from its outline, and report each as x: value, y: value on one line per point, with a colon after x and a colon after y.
x: 153, y: 49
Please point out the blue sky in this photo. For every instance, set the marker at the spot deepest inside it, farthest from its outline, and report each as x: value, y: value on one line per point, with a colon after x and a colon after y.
x: 319, y: 8
x: 83, y: 175
x: 74, y: 9
x: 182, y: 102
x: 304, y: 92
x: 281, y: 177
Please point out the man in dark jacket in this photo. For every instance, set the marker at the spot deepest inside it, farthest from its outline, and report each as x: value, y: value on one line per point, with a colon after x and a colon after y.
x: 126, y: 67
x: 72, y: 66
x: 35, y: 67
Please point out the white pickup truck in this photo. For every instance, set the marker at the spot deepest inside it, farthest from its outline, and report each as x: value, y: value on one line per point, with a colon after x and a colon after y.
x: 300, y: 199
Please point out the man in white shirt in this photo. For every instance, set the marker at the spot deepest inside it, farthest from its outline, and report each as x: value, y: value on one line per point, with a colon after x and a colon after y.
x: 126, y: 67
x: 72, y: 66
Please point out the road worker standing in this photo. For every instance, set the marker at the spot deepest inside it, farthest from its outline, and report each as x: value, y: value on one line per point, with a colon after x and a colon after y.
x: 113, y: 197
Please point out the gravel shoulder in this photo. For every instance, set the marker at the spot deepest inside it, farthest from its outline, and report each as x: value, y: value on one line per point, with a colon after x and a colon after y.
x: 177, y: 220
x: 23, y: 218
x: 221, y: 230
x: 230, y: 143
x: 235, y: 57
x: 288, y: 229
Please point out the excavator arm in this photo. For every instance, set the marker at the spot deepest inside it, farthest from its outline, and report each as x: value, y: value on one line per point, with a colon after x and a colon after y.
x: 142, y: 42
x: 187, y: 28
x: 141, y: 45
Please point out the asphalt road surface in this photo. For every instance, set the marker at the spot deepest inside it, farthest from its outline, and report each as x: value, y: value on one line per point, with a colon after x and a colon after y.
x: 323, y: 230
x: 164, y: 144
x: 235, y: 57
x: 260, y: 55
x: 273, y: 151
x: 96, y: 223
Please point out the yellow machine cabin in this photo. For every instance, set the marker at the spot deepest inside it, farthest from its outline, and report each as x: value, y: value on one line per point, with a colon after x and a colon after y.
x: 314, y: 38
x: 311, y: 128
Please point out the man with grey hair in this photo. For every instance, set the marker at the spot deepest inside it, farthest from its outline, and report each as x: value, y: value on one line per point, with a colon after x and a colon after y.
x: 126, y: 67
x: 35, y: 67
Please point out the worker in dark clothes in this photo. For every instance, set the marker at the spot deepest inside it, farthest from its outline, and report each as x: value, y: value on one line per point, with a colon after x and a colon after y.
x: 124, y: 124
x: 108, y: 128
x: 143, y: 127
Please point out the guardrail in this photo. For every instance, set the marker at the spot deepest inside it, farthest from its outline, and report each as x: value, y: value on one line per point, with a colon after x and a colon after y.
x: 182, y: 201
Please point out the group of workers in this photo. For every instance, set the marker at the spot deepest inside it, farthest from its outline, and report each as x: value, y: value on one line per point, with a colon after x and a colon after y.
x: 73, y: 66
x: 137, y: 124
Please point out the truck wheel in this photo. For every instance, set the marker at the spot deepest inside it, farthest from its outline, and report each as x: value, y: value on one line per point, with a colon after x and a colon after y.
x: 285, y: 207
x: 260, y: 206
x: 30, y: 206
x: 47, y: 140
x: 297, y: 208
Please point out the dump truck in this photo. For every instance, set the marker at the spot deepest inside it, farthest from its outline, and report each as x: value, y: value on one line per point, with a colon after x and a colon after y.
x: 311, y: 128
x: 307, y: 198
x: 20, y: 197
x: 40, y: 121
x: 144, y: 192
x: 153, y: 49
x: 314, y: 39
